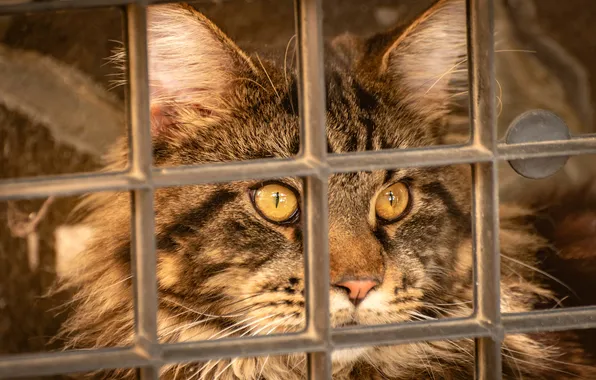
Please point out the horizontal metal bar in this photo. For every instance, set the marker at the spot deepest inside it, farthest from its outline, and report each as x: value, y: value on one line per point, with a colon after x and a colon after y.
x: 12, y: 366
x: 401, y: 158
x: 226, y: 172
x: 89, y: 360
x: 275, y: 168
x: 43, y: 6
x: 585, y: 144
x: 574, y: 318
x: 57, y: 5
x: 66, y: 185
x: 408, y: 332
x: 246, y: 347
x: 237, y: 171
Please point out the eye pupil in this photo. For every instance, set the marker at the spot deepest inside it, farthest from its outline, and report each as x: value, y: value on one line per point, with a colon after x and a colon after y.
x: 277, y: 199
x: 391, y: 198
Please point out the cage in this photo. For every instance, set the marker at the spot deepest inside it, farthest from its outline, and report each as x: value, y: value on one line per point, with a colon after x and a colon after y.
x: 487, y: 325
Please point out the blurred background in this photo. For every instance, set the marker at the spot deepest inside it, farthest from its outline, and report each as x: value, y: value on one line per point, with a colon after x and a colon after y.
x: 61, y: 107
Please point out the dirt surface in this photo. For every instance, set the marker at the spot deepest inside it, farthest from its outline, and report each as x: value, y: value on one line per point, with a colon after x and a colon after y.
x: 83, y: 39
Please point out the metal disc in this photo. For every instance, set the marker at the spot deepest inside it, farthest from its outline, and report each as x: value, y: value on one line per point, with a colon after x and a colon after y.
x: 535, y: 126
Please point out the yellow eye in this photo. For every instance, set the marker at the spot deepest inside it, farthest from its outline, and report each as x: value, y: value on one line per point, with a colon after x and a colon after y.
x: 392, y: 202
x: 276, y: 203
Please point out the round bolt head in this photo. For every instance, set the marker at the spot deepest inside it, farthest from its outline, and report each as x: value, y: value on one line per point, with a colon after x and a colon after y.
x: 536, y: 126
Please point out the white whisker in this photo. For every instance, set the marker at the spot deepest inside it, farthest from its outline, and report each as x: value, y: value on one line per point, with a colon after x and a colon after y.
x: 268, y: 77
x: 286, y: 57
x: 539, y: 271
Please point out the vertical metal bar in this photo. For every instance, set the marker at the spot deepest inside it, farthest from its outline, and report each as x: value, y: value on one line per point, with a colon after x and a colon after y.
x: 140, y: 132
x: 317, y: 273
x: 312, y: 85
x: 480, y: 28
x: 488, y: 359
x: 148, y: 373
x: 486, y: 269
x: 486, y: 242
x: 319, y: 365
x: 143, y: 239
x: 314, y: 144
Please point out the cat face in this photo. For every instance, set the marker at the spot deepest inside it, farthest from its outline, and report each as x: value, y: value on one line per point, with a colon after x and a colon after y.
x: 230, y: 256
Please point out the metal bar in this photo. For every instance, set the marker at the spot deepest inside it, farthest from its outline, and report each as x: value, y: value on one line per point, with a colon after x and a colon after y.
x: 577, y: 145
x: 480, y: 33
x: 486, y: 269
x: 398, y: 158
x: 57, y: 5
x: 309, y: 26
x: 64, y: 185
x: 319, y: 365
x: 89, y: 360
x: 144, y: 264
x: 143, y: 231
x: 488, y: 358
x: 51, y: 363
x: 317, y: 274
x: 550, y: 320
x: 45, y: 6
x: 254, y: 346
x: 148, y: 373
x: 486, y: 242
x: 227, y: 172
x: 141, y: 159
x: 408, y: 332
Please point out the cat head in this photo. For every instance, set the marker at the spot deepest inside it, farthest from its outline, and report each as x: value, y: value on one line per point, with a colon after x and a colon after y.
x: 230, y: 256
x: 393, y: 234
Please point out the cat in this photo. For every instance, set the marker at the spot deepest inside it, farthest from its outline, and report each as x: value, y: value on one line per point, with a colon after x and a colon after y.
x: 230, y: 256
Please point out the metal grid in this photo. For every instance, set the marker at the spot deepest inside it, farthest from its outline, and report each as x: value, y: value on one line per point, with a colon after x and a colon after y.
x: 486, y: 325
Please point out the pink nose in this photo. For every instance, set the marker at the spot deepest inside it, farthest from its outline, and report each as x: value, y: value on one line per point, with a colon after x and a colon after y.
x: 358, y: 289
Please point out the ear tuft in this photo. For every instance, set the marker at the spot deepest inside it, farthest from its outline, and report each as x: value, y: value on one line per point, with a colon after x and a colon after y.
x: 428, y: 59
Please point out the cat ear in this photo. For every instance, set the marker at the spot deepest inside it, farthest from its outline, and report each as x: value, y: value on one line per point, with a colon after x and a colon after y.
x: 427, y: 60
x: 192, y: 65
